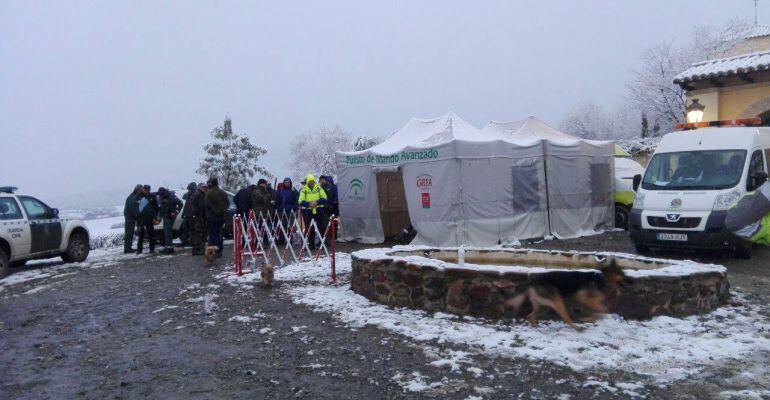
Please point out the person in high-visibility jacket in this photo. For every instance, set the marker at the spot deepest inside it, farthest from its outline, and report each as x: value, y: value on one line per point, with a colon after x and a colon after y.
x: 749, y: 218
x: 312, y: 199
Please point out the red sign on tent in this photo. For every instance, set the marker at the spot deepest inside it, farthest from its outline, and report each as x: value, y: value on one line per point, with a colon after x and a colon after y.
x: 426, y: 200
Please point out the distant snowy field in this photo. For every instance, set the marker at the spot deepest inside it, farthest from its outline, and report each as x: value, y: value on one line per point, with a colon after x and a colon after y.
x: 105, y: 225
x: 105, y: 232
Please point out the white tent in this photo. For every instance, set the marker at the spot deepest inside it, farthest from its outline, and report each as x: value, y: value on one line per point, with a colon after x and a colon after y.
x: 466, y: 186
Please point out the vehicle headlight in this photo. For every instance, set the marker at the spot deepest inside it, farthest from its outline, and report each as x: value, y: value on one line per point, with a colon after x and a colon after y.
x: 639, y: 200
x: 726, y: 200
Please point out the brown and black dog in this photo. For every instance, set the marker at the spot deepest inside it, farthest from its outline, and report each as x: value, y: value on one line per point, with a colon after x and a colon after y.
x: 589, y: 290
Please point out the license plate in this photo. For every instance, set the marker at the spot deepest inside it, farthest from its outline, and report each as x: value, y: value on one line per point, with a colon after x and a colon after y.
x: 679, y: 237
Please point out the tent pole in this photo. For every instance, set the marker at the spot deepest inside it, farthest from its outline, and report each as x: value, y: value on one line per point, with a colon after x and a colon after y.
x: 547, y: 197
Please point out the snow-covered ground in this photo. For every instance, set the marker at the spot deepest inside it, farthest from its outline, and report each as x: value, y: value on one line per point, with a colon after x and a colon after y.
x: 53, y: 267
x: 105, y: 225
x: 665, y: 349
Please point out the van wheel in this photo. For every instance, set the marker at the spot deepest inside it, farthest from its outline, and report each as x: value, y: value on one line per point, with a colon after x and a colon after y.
x: 5, y: 267
x: 743, y: 250
x: 621, y: 216
x: 77, y: 249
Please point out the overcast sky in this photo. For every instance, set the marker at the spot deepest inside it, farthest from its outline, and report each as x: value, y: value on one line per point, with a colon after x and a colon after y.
x: 98, y: 96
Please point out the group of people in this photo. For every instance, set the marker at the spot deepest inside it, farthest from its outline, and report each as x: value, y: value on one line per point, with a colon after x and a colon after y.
x: 317, y: 201
x: 203, y: 215
x: 205, y: 208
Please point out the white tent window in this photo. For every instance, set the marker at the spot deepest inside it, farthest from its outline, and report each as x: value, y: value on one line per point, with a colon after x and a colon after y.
x: 526, y: 188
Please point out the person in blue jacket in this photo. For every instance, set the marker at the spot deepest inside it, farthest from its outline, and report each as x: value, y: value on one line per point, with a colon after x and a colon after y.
x: 287, y: 204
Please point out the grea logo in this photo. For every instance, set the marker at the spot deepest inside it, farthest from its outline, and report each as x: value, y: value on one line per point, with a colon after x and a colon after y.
x: 424, y: 182
x: 356, y: 189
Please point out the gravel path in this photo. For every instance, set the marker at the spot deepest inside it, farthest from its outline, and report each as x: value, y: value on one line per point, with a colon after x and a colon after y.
x: 167, y: 327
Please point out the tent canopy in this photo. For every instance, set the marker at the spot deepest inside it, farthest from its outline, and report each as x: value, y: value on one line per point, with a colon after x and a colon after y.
x: 507, y: 182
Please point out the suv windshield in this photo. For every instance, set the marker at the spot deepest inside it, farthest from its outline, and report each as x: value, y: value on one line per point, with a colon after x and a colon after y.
x: 712, y: 169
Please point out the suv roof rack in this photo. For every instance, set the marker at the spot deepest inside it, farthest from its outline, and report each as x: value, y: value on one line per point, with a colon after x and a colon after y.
x: 8, y: 189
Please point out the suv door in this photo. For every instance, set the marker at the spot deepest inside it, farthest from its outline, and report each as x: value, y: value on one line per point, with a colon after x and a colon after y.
x: 45, y: 226
x: 13, y: 224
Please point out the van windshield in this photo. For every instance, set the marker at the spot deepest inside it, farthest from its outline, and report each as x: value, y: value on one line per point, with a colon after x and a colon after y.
x: 712, y: 169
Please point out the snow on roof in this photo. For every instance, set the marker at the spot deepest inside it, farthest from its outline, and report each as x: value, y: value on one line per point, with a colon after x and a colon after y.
x: 429, y: 132
x: 757, y: 31
x: 526, y: 129
x: 757, y: 61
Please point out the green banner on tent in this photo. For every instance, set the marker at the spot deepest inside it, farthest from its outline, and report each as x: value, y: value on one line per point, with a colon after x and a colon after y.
x: 428, y: 154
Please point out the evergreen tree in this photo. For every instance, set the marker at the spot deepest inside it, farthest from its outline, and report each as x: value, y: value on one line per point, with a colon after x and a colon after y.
x: 232, y: 158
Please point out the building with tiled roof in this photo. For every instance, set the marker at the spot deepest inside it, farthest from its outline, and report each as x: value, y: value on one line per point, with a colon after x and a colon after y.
x: 733, y: 87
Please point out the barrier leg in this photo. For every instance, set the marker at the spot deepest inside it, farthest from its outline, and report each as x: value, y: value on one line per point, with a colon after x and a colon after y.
x: 334, y: 250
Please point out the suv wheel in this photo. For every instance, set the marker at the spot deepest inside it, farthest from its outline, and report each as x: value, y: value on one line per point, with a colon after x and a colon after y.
x: 4, y: 265
x: 743, y: 250
x: 77, y: 249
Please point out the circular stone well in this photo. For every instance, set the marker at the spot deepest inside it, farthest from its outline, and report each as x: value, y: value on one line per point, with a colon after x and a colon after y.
x: 430, y: 279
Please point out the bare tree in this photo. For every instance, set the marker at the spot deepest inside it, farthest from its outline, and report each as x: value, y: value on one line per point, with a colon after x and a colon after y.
x: 365, y: 142
x: 315, y: 152
x: 653, y: 92
x: 589, y: 121
x: 232, y: 158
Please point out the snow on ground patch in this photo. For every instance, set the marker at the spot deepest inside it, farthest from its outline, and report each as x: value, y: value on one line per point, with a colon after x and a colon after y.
x: 305, y: 271
x: 748, y: 394
x: 665, y: 348
x: 54, y: 268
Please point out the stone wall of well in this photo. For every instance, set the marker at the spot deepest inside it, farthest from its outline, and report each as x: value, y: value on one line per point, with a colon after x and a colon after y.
x: 488, y: 293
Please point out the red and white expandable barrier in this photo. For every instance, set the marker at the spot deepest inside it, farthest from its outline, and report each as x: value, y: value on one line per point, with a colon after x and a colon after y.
x: 258, y: 236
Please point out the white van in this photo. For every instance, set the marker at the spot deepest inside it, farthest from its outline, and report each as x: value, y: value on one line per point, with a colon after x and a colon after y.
x: 691, y: 181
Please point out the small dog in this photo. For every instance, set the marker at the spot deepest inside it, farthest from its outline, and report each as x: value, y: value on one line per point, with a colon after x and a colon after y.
x: 209, y: 255
x: 590, y: 291
x: 267, y: 274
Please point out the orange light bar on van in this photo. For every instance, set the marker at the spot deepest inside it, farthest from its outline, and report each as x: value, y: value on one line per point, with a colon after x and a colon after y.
x: 756, y: 121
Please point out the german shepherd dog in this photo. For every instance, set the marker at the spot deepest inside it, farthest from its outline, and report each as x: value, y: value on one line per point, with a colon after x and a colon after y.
x: 589, y: 290
x: 267, y: 274
x: 209, y: 255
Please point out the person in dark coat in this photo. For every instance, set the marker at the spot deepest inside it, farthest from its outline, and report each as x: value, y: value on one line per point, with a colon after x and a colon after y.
x: 130, y: 215
x: 170, y: 206
x: 287, y: 205
x: 217, y: 204
x: 148, y: 217
x: 262, y: 199
x: 185, y: 231
x: 198, y: 212
x: 242, y: 201
x: 333, y: 205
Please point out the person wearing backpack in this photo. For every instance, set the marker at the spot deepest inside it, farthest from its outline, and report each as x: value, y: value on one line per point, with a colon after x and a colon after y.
x: 148, y: 217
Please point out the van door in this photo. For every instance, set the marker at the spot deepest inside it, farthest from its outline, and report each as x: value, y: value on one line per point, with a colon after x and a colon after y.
x: 757, y: 164
x: 45, y: 227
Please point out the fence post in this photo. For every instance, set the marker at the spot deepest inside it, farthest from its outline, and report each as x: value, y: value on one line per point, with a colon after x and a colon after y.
x: 237, y: 246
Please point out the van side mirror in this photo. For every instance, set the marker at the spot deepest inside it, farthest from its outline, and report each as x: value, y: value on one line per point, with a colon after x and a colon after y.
x: 759, y: 178
x: 55, y: 211
x: 637, y: 181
